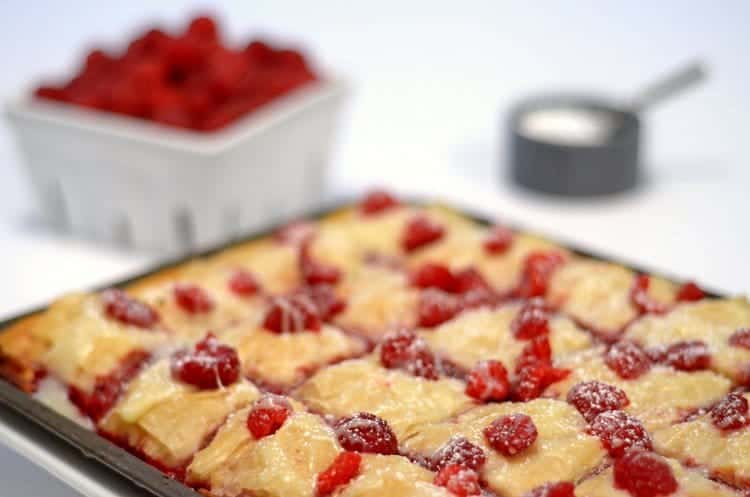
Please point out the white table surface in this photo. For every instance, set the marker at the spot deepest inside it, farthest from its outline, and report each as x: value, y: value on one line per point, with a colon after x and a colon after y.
x: 433, y: 80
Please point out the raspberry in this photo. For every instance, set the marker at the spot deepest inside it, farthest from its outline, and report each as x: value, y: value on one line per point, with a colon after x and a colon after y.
x: 432, y: 275
x: 203, y: 27
x: 295, y: 233
x: 51, y: 93
x: 469, y: 280
x: 537, y: 270
x: 628, y: 360
x: 459, y: 481
x: 690, y: 292
x: 405, y: 350
x: 291, y: 314
x: 531, y: 321
x: 267, y: 415
x: 498, y: 241
x: 243, y: 283
x: 592, y: 398
x: 536, y: 350
x: 436, y: 307
x: 209, y: 366
x: 641, y: 299
x: 731, y: 412
x: 325, y: 299
x: 644, y: 474
x: 692, y: 355
x: 192, y: 299
x: 740, y: 338
x: 341, y: 471
x: 420, y: 231
x: 120, y: 306
x: 365, y: 432
x: 534, y: 370
x: 376, y: 202
x: 556, y: 489
x: 488, y: 381
x: 619, y: 432
x: 458, y: 451
x: 315, y: 272
x: 512, y: 434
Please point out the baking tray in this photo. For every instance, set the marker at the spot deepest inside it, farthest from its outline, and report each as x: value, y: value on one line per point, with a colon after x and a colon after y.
x: 139, y: 473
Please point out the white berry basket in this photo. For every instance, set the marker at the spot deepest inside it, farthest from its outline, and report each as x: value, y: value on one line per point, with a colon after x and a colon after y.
x: 140, y: 184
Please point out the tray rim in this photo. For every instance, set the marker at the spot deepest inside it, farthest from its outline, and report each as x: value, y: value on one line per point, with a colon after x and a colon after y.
x: 91, y: 445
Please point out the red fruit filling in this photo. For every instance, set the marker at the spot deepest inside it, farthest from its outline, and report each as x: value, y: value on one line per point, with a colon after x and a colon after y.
x: 267, y: 415
x: 209, y: 365
x: 433, y: 275
x: 342, y: 470
x: 325, y: 299
x: 690, y: 292
x: 420, y: 231
x: 243, y: 283
x: 512, y: 434
x: 376, y: 202
x: 592, y: 398
x: 531, y: 320
x: 619, y: 432
x: 120, y: 306
x: 405, y: 350
x: 628, y: 360
x: 644, y: 474
x: 192, y: 299
x: 459, y: 452
x: 436, y: 307
x: 498, y: 241
x: 640, y: 298
x: 107, y: 388
x: 556, y: 489
x: 740, y: 338
x: 365, y: 432
x: 534, y: 370
x: 291, y: 314
x: 468, y: 282
x: 731, y: 412
x: 537, y: 270
x: 460, y: 481
x: 295, y: 233
x: 488, y: 381
x: 687, y: 356
x: 315, y: 272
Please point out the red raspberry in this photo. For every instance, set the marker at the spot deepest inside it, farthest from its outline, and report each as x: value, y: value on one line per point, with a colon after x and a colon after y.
x: 295, y: 233
x: 420, y: 231
x: 628, y: 360
x: 209, y: 366
x: 458, y: 451
x: 592, y: 398
x: 556, y: 489
x: 192, y: 299
x: 690, y: 292
x: 620, y: 431
x: 405, y: 350
x: 470, y: 280
x: 692, y: 355
x: 325, y: 299
x: 531, y: 320
x: 460, y: 481
x: 537, y: 349
x: 488, y: 381
x: 365, y: 432
x: 432, y: 275
x: 498, y: 241
x: 436, y: 307
x: 342, y: 470
x: 267, y: 415
x: 376, y: 202
x: 259, y: 53
x: 731, y: 412
x: 120, y: 306
x: 291, y: 314
x: 315, y: 272
x: 243, y: 283
x: 203, y: 27
x: 644, y: 474
x: 641, y: 299
x: 534, y: 370
x: 537, y: 270
x: 512, y: 434
x: 740, y: 338
x: 51, y: 93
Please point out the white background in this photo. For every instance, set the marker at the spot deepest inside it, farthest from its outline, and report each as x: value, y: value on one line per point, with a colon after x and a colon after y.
x: 433, y: 81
